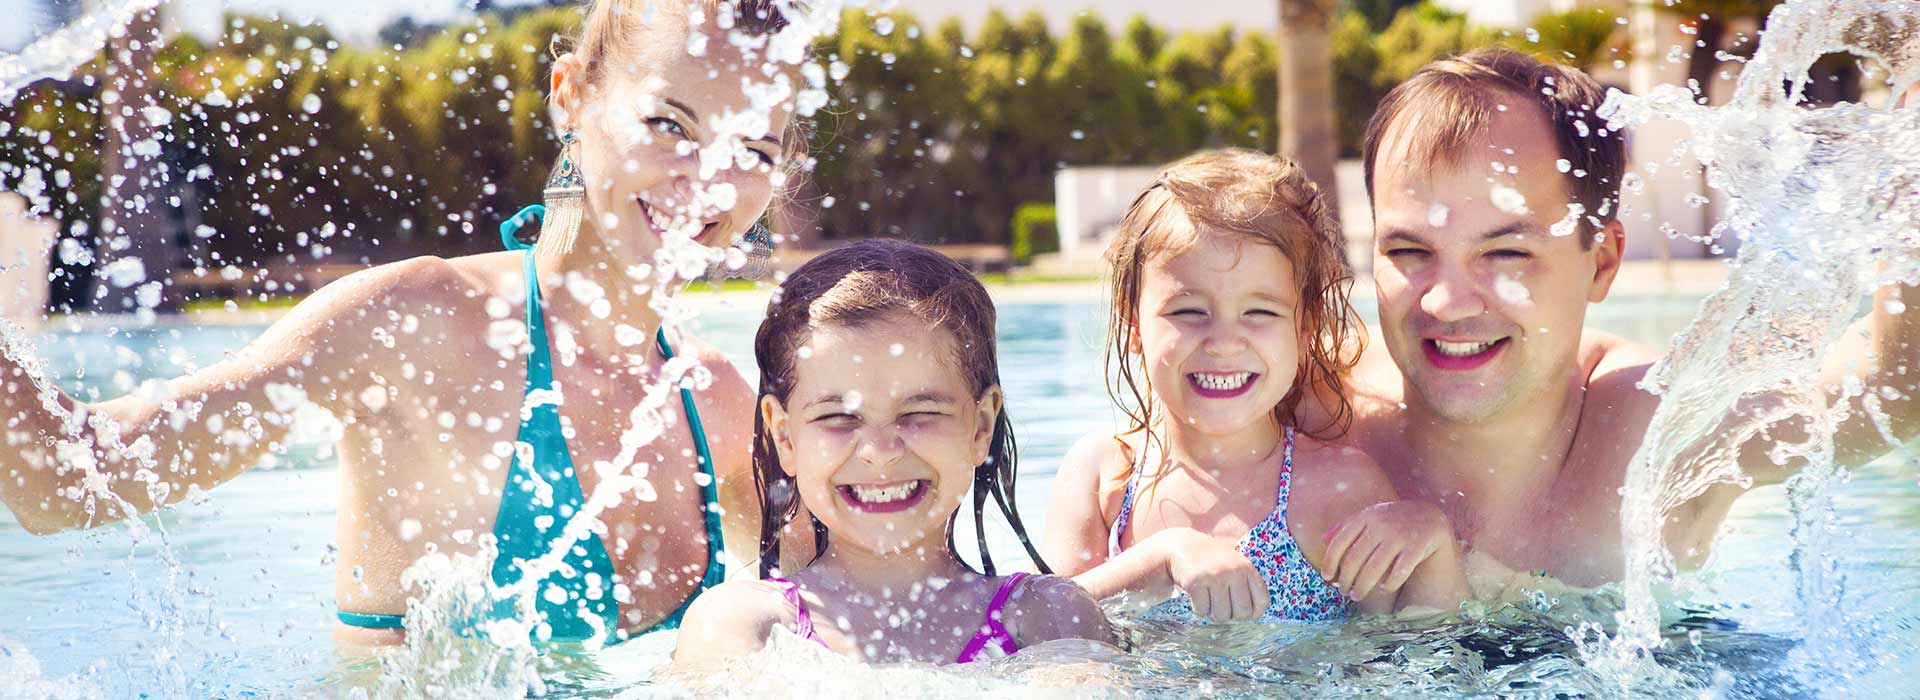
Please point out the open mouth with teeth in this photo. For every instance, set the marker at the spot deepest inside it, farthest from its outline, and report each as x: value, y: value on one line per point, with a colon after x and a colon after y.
x: 659, y: 231
x: 1461, y: 355
x: 890, y: 497
x: 1221, y: 385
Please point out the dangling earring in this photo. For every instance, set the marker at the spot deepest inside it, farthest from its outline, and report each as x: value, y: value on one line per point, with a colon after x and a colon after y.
x: 565, y: 198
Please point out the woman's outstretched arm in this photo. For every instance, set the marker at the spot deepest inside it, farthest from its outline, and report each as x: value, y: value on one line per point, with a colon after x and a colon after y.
x: 68, y: 464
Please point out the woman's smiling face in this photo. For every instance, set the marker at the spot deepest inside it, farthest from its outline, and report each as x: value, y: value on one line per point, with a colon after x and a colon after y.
x: 882, y: 432
x: 673, y: 141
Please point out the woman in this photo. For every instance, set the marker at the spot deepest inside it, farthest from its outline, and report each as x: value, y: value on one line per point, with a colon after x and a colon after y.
x: 470, y: 388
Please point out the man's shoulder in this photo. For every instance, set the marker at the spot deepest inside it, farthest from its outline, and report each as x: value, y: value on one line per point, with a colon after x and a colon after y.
x: 1614, y: 368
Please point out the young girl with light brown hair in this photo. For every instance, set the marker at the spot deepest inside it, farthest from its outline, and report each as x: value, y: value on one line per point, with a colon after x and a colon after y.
x: 1229, y: 309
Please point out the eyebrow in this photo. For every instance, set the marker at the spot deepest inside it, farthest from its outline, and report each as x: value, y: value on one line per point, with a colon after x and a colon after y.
x: 1512, y: 229
x: 676, y: 104
x: 929, y: 396
x: 695, y: 116
x: 1276, y: 299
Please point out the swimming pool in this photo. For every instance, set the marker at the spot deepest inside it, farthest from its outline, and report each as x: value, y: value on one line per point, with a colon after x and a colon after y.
x: 238, y: 600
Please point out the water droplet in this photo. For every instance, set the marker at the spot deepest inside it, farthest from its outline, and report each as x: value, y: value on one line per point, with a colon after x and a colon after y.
x: 1508, y: 199
x: 310, y: 104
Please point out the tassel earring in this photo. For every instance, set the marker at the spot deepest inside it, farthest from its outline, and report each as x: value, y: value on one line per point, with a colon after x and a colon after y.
x: 565, y: 198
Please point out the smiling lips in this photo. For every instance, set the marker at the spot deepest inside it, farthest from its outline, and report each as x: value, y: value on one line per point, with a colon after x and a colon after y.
x: 1461, y: 355
x: 1221, y: 385
x: 890, y: 497
x: 659, y: 231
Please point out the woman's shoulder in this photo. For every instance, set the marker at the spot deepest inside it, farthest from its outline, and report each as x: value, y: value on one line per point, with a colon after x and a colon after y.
x: 725, y: 372
x: 727, y: 401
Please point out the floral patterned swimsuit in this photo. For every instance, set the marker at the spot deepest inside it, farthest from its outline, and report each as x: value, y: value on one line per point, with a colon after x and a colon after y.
x: 1298, y: 591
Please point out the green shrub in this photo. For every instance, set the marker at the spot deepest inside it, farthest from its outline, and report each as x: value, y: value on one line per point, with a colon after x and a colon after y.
x: 1580, y: 38
x: 1035, y: 231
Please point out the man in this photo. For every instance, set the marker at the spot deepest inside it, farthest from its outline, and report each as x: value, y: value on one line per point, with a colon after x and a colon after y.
x: 1495, y: 196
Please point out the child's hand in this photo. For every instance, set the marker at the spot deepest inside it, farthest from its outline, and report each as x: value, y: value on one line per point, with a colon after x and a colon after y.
x: 1378, y: 548
x: 1222, y: 584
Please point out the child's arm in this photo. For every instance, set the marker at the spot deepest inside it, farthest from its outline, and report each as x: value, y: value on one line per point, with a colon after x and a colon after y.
x: 1383, y: 552
x: 1222, y: 584
x: 1075, y: 538
x: 1046, y: 608
x: 728, y: 621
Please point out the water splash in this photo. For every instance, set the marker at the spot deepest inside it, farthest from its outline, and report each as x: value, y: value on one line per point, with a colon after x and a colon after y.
x: 57, y: 54
x: 1826, y: 206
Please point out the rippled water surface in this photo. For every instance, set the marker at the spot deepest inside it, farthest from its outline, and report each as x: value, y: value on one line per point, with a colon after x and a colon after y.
x: 86, y: 614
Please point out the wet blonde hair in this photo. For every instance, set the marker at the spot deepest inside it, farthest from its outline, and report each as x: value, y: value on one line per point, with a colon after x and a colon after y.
x: 1253, y: 197
x: 610, y: 27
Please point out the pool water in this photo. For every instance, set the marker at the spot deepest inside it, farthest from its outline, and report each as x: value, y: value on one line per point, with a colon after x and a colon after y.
x: 232, y: 594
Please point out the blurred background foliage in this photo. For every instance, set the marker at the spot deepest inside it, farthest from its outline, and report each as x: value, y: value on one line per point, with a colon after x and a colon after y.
x: 290, y: 147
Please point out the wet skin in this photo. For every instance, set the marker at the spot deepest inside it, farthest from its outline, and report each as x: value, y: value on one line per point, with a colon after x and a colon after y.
x: 1526, y: 444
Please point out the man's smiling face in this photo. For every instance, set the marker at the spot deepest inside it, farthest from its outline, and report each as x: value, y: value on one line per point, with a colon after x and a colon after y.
x: 1483, y: 289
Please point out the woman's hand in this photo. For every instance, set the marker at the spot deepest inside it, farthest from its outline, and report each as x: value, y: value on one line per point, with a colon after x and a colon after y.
x: 1377, y: 549
x: 1221, y: 582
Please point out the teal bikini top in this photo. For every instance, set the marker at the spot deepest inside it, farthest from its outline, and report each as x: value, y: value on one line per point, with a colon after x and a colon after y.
x: 530, y: 521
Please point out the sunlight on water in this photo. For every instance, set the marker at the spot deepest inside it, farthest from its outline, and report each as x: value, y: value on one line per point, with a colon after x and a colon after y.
x: 1794, y: 180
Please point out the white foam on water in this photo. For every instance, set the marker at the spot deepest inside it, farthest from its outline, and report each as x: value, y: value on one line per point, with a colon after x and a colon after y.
x: 21, y: 677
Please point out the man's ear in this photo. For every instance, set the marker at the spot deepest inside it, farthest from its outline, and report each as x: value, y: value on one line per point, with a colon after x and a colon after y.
x: 774, y: 417
x: 1609, y: 248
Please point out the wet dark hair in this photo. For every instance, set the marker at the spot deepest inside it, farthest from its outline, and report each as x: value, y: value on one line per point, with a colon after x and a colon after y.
x: 864, y: 283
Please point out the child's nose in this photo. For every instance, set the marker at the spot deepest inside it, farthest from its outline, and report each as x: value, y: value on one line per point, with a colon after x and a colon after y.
x: 880, y: 445
x: 1225, y: 340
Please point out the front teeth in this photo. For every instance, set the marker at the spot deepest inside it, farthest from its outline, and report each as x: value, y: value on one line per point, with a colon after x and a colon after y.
x: 1451, y: 349
x: 884, y: 494
x: 1222, y: 382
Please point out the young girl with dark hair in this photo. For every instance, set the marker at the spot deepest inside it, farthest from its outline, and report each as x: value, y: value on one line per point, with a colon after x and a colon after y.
x: 880, y: 408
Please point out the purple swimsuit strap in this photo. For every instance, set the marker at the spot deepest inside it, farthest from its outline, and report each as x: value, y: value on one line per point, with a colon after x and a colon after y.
x: 992, y: 628
x: 802, y: 622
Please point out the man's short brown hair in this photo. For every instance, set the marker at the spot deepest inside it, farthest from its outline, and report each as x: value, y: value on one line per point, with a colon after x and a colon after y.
x: 1458, y: 97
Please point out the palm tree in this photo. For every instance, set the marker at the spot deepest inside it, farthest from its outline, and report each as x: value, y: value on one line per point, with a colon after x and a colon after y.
x: 1308, y: 123
x: 1710, y: 20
